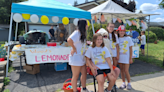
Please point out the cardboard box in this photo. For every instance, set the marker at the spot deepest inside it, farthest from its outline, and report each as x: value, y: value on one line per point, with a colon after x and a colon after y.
x: 28, y: 67
x: 32, y: 69
x: 35, y: 71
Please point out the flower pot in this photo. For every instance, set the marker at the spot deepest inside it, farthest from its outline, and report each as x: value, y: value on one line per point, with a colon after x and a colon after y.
x: 155, y: 42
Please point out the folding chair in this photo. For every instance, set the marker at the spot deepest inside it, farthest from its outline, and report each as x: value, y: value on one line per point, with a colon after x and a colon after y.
x: 94, y: 80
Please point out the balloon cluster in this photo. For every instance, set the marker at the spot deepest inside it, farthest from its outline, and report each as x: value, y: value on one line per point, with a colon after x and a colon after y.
x: 44, y: 19
x: 69, y: 87
x: 75, y: 22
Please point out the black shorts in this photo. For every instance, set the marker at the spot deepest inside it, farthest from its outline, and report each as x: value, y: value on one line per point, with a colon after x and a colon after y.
x: 102, y: 71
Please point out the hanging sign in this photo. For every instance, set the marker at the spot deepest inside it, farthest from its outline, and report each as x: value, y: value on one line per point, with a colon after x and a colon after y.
x: 114, y: 20
x: 129, y: 23
x: 48, y: 55
x: 119, y: 20
x: 135, y: 52
x: 123, y: 20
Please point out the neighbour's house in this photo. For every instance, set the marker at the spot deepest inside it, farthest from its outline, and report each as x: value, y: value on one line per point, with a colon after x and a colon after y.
x: 87, y: 5
x: 157, y: 24
x: 4, y: 32
x: 131, y: 6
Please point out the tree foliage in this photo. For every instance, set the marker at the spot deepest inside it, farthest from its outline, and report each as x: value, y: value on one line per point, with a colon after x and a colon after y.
x: 5, y: 10
x: 152, y: 36
x: 161, y: 4
x: 5, y: 13
x: 96, y: 27
x: 158, y: 31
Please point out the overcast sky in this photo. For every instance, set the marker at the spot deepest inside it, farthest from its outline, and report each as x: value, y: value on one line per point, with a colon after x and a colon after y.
x: 147, y: 6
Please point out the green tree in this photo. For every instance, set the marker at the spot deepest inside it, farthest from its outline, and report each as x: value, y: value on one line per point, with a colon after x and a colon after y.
x: 158, y: 31
x: 5, y: 10
x: 152, y: 36
x: 96, y: 27
x: 161, y: 4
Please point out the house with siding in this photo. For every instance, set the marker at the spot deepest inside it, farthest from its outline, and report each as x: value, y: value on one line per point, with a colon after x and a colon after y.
x: 4, y: 32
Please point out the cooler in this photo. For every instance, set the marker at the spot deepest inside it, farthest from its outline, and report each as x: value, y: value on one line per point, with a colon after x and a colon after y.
x: 60, y: 66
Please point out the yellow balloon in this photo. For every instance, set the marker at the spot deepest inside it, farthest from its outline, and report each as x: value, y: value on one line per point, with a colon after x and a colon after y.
x: 65, y: 20
x: 88, y: 22
x: 44, y: 19
x: 26, y: 16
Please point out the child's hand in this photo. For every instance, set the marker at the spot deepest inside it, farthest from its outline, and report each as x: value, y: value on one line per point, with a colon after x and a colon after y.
x: 113, y: 73
x: 94, y: 70
x: 130, y: 61
x: 117, y: 57
x: 73, y: 51
x: 96, y: 67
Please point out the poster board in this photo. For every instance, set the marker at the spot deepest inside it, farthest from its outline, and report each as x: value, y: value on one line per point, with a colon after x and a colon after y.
x: 47, y: 55
x: 135, y: 51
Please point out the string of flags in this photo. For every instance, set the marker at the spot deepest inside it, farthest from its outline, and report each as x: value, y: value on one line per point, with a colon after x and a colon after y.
x: 136, y: 22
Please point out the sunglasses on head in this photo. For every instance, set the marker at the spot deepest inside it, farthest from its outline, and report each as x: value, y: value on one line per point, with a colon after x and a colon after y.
x: 104, y: 36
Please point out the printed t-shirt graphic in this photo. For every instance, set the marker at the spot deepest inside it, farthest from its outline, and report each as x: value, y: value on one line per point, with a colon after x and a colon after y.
x: 124, y: 44
x: 113, y: 44
x: 98, y: 55
x: 78, y: 58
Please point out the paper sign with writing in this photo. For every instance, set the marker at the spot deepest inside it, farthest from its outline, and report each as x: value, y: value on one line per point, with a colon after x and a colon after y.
x: 135, y: 51
x: 47, y: 55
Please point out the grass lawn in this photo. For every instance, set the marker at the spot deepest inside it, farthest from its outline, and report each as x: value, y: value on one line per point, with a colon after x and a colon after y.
x: 155, y: 54
x: 2, y: 43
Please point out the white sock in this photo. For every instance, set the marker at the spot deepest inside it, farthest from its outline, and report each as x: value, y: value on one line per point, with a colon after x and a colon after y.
x: 108, y: 90
x: 123, y: 83
x: 129, y: 83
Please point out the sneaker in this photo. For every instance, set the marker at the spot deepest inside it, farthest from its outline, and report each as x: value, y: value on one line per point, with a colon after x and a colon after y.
x: 129, y: 87
x: 115, y: 86
x: 122, y: 86
x: 106, y: 90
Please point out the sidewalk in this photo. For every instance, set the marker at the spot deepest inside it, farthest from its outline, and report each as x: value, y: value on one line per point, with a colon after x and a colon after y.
x: 145, y: 83
x: 49, y: 80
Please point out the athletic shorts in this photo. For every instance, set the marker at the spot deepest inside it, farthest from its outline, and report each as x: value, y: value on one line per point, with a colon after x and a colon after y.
x: 105, y: 74
x: 103, y: 71
x: 142, y: 46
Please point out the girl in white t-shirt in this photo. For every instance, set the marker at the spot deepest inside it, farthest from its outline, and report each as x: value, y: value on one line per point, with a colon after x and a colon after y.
x: 100, y: 62
x: 77, y: 41
x: 125, y: 59
x: 113, y: 43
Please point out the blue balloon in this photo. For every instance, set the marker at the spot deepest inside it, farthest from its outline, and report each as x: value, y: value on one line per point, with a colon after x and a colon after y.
x: 135, y: 34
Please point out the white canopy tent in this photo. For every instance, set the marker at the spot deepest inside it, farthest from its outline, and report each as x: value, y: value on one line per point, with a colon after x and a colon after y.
x: 112, y: 10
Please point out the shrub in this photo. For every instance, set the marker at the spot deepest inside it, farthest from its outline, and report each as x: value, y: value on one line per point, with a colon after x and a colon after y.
x: 6, y: 81
x: 6, y: 90
x: 133, y: 27
x: 158, y: 31
x: 96, y: 27
x: 152, y: 36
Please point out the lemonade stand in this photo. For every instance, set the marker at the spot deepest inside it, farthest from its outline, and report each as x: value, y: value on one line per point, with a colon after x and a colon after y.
x: 44, y: 12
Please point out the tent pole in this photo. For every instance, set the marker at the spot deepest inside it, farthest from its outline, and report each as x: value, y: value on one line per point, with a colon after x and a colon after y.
x: 148, y: 37
x: 92, y: 27
x: 112, y: 18
x: 9, y: 38
x: 69, y: 29
x: 16, y: 31
x: 25, y: 27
